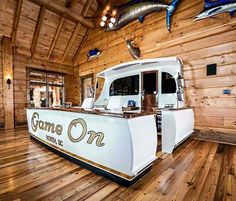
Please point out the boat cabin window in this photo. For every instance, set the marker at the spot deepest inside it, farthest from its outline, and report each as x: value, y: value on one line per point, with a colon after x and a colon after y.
x: 168, y: 84
x: 125, y: 86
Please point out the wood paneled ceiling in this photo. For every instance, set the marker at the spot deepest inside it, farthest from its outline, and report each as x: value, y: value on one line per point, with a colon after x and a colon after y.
x: 47, y: 29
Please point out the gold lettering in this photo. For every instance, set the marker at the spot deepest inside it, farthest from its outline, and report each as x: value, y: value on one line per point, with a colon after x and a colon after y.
x: 49, y: 127
x: 59, y: 129
x: 34, y: 124
x: 74, y: 124
x: 99, y: 136
x: 41, y: 125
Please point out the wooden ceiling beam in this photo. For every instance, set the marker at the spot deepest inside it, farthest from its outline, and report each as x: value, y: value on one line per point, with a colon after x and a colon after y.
x: 71, y: 42
x: 53, y: 43
x: 73, y: 37
x: 16, y: 21
x: 86, y: 7
x: 88, y: 31
x: 69, y: 3
x: 62, y: 10
x: 37, y: 29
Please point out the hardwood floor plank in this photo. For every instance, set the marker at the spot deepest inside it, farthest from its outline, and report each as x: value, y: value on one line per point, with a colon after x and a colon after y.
x: 230, y: 194
x: 99, y: 195
x: 197, y: 181
x: 181, y: 179
x: 53, y: 187
x: 157, y: 170
x: 210, y: 184
x: 23, y: 183
x: 74, y: 189
x: 220, y: 193
x: 196, y: 170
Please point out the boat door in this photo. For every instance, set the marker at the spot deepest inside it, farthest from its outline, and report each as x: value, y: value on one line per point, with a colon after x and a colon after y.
x: 149, y: 90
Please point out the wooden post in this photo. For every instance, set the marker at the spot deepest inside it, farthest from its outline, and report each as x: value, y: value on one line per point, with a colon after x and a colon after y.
x: 7, y: 67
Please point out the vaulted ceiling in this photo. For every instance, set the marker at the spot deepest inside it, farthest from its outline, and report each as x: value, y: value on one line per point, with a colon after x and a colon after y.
x: 48, y: 29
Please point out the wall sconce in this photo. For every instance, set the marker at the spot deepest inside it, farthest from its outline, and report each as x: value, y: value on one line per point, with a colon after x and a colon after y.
x: 8, y: 81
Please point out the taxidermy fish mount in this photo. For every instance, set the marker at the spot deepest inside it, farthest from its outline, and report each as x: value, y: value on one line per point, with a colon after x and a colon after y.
x: 215, y: 7
x: 94, y: 53
x: 134, y: 50
x: 138, y: 9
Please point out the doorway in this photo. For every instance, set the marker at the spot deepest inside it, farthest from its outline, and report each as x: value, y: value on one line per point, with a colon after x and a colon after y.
x: 87, y: 89
x: 149, y: 90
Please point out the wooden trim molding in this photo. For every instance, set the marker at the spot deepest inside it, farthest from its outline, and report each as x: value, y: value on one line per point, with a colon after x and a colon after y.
x: 71, y: 42
x: 37, y: 29
x: 53, y: 43
x: 16, y: 21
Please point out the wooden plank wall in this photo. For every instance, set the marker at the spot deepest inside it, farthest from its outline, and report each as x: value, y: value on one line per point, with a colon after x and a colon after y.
x: 1, y: 90
x: 7, y: 68
x: 195, y: 43
x: 20, y: 84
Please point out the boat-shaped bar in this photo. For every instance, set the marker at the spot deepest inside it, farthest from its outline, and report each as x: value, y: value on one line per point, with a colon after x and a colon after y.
x: 115, y: 132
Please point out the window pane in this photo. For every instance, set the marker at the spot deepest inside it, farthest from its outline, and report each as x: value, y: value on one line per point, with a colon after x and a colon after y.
x: 37, y: 77
x: 55, y: 96
x: 55, y: 79
x: 168, y: 84
x: 46, y: 89
x: 38, y: 95
x: 125, y: 86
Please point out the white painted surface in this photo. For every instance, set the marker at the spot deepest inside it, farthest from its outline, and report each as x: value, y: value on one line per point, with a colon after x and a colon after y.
x: 171, y: 65
x: 176, y: 126
x: 128, y: 147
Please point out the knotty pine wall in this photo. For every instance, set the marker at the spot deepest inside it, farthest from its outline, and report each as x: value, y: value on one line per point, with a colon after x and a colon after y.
x: 21, y: 63
x: 20, y: 83
x: 1, y: 90
x: 195, y: 43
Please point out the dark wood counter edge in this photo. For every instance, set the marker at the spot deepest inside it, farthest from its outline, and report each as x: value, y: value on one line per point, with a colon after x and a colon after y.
x: 97, y: 112
x: 176, y: 109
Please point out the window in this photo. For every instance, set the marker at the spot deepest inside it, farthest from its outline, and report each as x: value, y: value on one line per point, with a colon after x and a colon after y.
x: 168, y: 84
x: 46, y: 89
x: 125, y: 86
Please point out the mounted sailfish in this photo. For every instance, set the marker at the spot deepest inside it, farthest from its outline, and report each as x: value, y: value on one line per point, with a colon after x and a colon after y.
x: 215, y: 7
x: 139, y: 9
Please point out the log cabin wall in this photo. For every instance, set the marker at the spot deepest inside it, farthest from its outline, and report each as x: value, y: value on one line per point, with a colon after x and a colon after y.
x: 196, y: 43
x: 46, y: 35
x: 1, y: 90
x: 21, y: 63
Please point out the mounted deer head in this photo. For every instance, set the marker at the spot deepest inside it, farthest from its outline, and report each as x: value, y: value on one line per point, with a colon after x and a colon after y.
x: 134, y: 51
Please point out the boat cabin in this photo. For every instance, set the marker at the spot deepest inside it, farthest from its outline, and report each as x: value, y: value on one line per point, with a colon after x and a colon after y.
x: 143, y: 85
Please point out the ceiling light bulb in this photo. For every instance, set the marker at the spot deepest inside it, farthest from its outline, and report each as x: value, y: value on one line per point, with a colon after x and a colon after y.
x: 110, y: 25
x: 107, y: 8
x: 102, y: 23
x: 113, y: 20
x: 104, y: 18
x: 114, y: 12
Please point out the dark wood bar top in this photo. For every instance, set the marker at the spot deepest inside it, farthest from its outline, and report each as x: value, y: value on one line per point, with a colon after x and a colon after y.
x: 126, y: 115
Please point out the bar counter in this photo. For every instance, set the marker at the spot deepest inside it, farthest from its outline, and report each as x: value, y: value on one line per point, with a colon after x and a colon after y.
x: 119, y: 146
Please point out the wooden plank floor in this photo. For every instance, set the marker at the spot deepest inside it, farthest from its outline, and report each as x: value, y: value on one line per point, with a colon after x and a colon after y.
x: 197, y: 170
